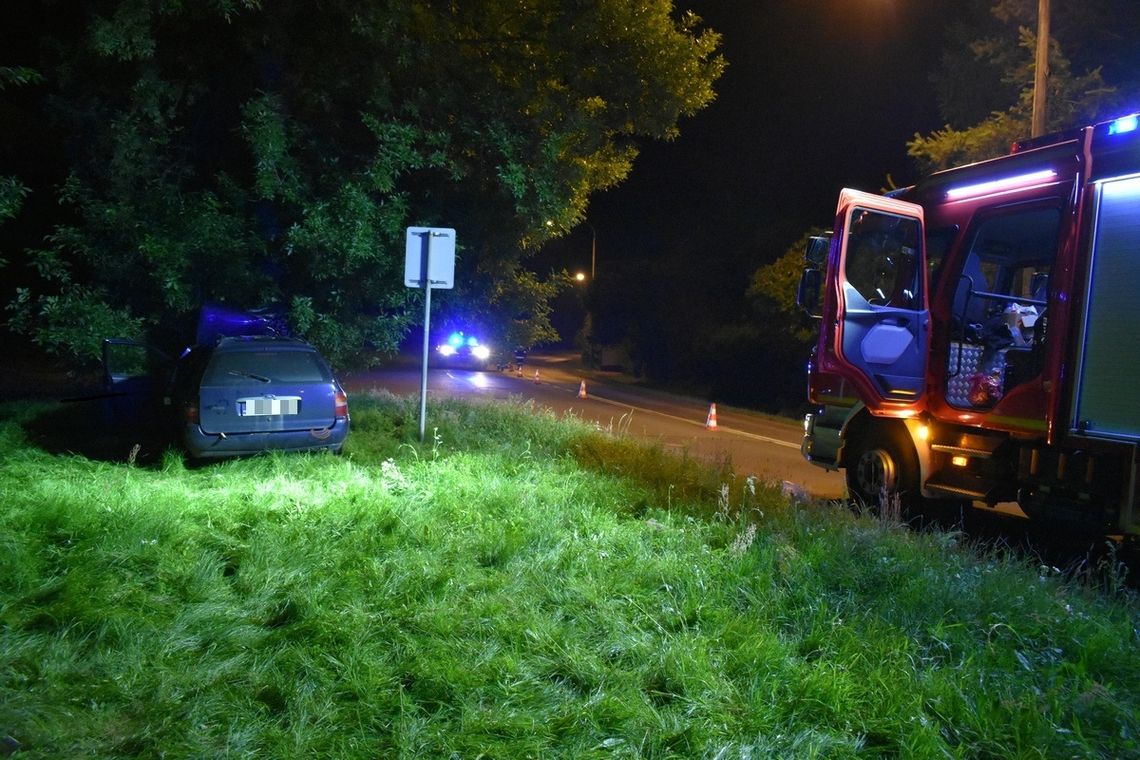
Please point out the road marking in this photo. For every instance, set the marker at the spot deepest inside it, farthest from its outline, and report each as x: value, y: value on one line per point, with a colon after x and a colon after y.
x: 720, y: 428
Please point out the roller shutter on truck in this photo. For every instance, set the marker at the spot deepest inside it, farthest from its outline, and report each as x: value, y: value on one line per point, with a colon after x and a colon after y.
x: 1106, y: 400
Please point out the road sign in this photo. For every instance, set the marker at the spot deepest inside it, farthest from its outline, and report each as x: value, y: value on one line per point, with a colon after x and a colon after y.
x: 429, y: 263
x: 429, y: 253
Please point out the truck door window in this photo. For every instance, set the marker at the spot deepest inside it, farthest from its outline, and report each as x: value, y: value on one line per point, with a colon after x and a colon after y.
x: 882, y: 257
x: 1010, y: 259
x: 999, y: 304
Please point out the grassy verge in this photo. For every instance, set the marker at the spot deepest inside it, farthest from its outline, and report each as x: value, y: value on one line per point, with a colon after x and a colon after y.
x: 520, y: 586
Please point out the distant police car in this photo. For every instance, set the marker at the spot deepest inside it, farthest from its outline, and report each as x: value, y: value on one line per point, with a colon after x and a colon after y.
x: 462, y: 350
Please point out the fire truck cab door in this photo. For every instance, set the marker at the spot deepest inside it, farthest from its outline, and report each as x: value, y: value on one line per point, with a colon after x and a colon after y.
x: 882, y: 320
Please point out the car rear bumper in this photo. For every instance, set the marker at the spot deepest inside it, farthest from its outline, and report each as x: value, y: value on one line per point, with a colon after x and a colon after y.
x: 203, y: 445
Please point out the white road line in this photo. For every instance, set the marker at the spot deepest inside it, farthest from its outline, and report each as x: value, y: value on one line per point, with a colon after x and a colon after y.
x: 720, y: 428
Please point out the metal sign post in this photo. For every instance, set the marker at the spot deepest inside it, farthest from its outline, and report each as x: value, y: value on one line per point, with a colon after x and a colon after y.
x: 428, y: 268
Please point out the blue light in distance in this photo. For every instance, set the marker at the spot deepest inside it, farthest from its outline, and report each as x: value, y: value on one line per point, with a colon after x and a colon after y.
x: 1124, y: 124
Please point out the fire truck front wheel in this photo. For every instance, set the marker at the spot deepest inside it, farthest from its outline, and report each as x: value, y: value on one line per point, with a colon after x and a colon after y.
x: 882, y: 465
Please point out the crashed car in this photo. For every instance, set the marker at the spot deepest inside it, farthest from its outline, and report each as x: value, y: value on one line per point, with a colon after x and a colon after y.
x: 231, y: 395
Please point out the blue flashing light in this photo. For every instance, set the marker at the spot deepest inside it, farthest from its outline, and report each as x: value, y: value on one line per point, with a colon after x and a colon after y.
x: 472, y: 341
x: 455, y: 339
x: 1124, y: 125
x: 1003, y: 184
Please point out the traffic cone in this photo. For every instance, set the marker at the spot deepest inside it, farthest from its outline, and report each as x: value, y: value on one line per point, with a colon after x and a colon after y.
x: 536, y: 376
x: 582, y: 390
x: 710, y: 422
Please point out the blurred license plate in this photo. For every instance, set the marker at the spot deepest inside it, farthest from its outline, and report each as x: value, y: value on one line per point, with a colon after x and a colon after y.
x: 259, y: 407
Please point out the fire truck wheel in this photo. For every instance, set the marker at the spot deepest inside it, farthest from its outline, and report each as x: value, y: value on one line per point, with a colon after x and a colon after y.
x: 882, y: 465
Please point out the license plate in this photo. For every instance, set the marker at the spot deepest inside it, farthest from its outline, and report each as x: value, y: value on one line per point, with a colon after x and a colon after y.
x: 261, y: 407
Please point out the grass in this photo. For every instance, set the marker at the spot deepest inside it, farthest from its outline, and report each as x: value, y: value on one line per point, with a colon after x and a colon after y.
x: 519, y: 586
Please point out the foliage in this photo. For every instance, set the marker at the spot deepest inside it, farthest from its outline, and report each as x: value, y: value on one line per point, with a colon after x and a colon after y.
x: 520, y: 586
x: 12, y: 194
x: 1002, y: 54
x: 17, y: 75
x: 773, y: 292
x: 12, y: 190
x: 762, y: 360
x: 63, y: 324
x: 254, y: 154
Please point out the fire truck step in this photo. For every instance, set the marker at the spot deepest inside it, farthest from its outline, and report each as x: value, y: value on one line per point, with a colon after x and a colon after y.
x: 964, y: 451
x: 958, y: 484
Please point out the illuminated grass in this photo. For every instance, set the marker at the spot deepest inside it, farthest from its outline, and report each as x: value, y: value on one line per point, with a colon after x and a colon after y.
x: 521, y: 587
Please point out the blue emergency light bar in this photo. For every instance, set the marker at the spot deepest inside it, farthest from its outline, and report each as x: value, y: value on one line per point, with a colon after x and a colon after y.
x: 999, y: 185
x: 457, y: 339
x: 1124, y: 124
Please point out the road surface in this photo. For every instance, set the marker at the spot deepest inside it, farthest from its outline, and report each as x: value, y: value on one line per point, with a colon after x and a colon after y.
x: 754, y: 444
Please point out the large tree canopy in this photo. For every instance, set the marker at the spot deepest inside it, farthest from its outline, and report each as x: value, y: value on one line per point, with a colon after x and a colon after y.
x: 252, y: 153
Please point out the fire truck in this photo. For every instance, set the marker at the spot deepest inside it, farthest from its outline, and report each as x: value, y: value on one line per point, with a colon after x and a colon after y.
x: 979, y: 338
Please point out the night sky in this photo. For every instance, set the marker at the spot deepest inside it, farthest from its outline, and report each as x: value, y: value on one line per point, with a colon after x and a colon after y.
x: 818, y: 95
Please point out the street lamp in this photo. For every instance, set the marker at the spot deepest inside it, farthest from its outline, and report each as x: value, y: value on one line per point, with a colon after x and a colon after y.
x: 1041, y: 74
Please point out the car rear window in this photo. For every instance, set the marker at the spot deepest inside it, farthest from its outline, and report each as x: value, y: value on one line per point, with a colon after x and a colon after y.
x: 243, y: 367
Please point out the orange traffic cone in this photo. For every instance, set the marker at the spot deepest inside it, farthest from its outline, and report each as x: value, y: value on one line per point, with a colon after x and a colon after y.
x: 710, y: 422
x: 582, y: 390
x: 536, y: 376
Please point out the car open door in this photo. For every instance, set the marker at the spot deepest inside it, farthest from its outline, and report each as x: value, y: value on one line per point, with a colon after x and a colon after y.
x: 135, y: 377
x: 878, y: 331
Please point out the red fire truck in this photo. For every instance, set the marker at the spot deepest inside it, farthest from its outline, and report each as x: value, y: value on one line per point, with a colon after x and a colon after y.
x: 979, y: 338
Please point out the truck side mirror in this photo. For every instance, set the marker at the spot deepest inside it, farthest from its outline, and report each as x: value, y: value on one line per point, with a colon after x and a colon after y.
x: 815, y: 253
x: 807, y: 295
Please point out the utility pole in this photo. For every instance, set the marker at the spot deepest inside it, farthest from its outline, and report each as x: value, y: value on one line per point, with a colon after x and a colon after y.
x: 1041, y: 75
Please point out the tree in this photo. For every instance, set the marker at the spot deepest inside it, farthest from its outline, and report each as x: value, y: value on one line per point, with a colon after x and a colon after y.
x: 978, y: 80
x: 773, y: 292
x: 231, y: 152
x: 12, y: 190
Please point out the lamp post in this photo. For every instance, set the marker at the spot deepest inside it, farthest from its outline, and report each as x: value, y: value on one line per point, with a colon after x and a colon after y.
x: 593, y: 250
x: 592, y: 341
x: 1041, y: 73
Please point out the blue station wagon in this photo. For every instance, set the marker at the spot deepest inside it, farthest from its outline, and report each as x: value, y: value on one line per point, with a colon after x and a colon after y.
x: 248, y: 394
x: 232, y: 395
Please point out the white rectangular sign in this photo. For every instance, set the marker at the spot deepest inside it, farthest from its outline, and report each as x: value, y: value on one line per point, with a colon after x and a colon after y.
x: 437, y: 244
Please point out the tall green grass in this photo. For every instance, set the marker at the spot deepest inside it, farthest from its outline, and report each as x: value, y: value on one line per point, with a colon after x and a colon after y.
x: 520, y: 586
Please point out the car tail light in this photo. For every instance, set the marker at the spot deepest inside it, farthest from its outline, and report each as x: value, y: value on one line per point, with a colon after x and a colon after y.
x: 341, y: 405
x: 190, y: 413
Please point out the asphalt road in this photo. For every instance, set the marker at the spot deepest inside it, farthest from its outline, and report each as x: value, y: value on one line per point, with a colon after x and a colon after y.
x: 754, y: 444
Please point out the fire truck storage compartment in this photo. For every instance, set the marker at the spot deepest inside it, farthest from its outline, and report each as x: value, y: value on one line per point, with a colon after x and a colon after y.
x: 1106, y: 399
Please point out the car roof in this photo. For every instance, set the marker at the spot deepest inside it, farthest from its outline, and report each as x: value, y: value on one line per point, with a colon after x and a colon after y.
x: 253, y: 342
